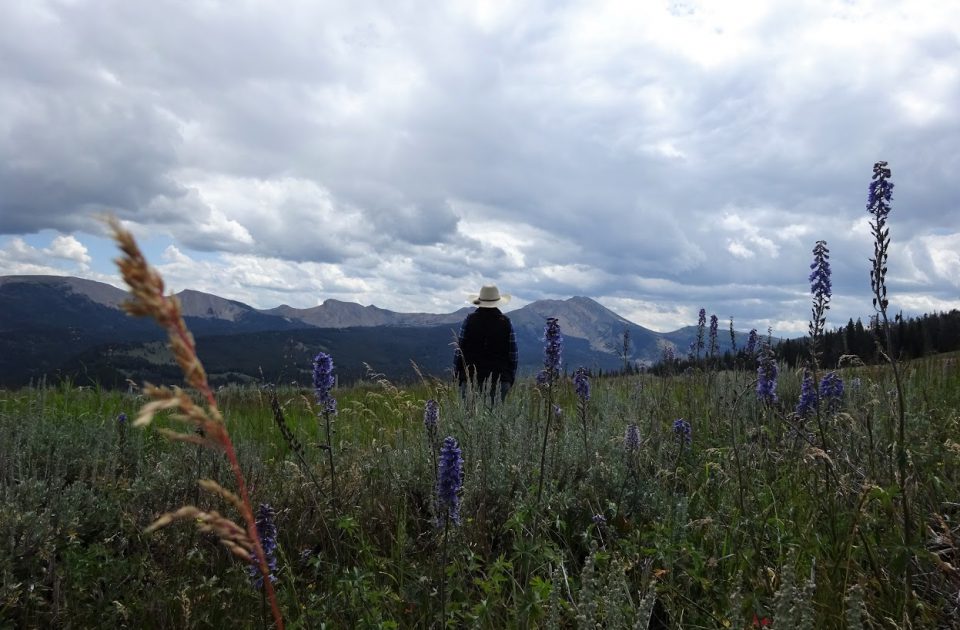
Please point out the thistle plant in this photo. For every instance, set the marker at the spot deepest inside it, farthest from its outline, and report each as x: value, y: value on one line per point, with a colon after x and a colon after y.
x: 880, y: 194
x: 323, y: 381
x: 209, y: 429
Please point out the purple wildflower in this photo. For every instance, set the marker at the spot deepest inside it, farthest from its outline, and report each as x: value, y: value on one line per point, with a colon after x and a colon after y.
x: 767, y: 377
x: 581, y: 384
x: 714, y: 326
x: 880, y: 191
x: 552, y: 349
x: 821, y: 289
x: 323, y: 381
x: 267, y: 532
x: 701, y: 323
x: 449, y: 480
x: 599, y: 520
x: 878, y: 204
x: 831, y: 390
x: 667, y: 356
x: 683, y: 431
x: 820, y: 271
x: 631, y: 438
x: 808, y: 395
x: 122, y: 419
x: 752, y: 342
x: 431, y: 419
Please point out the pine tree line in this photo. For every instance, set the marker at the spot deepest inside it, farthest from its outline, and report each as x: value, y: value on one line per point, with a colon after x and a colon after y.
x: 913, y: 337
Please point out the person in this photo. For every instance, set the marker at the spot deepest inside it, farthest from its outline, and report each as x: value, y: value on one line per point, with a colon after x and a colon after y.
x: 486, y: 352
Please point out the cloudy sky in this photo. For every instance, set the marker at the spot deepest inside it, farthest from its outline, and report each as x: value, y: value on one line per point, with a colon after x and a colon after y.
x: 658, y: 156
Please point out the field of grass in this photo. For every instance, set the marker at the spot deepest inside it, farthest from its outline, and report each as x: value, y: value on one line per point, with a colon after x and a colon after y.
x: 761, y: 520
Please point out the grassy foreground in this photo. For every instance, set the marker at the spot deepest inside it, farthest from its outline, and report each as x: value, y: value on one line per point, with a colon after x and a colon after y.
x: 761, y: 520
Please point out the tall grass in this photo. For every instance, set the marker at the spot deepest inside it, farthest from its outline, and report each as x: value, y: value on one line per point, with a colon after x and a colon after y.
x: 713, y: 533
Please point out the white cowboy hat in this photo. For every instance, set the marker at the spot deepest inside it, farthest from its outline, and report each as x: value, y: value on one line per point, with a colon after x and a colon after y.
x: 489, y: 297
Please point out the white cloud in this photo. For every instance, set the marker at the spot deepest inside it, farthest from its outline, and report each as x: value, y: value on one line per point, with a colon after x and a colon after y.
x: 68, y: 248
x: 389, y: 153
x: 739, y: 250
x: 65, y: 255
x: 944, y: 253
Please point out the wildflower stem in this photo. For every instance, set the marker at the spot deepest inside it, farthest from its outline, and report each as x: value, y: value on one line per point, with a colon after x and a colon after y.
x: 878, y: 205
x: 329, y: 448
x: 443, y: 570
x: 543, y: 448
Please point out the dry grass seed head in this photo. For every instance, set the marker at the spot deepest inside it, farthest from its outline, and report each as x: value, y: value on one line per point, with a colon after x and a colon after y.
x: 231, y: 535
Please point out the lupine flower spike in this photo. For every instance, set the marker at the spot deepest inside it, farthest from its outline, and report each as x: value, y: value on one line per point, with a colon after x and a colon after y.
x: 581, y: 384
x: 683, y: 431
x: 831, y: 390
x: 714, y: 328
x: 267, y: 528
x: 701, y: 323
x: 822, y: 290
x: 449, y: 481
x: 631, y: 438
x: 767, y: 376
x: 552, y: 349
x: 879, y: 196
x: 431, y: 420
x: 808, y: 395
x: 752, y: 342
x: 323, y: 382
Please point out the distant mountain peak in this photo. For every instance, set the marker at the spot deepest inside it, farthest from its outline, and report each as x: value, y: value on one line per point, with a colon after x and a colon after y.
x: 200, y: 304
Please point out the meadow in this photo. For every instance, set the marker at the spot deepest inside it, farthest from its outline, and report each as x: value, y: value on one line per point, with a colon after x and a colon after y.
x: 751, y: 497
x: 749, y: 523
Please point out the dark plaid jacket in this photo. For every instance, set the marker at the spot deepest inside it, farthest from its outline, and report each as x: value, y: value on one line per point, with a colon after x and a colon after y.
x: 486, y: 347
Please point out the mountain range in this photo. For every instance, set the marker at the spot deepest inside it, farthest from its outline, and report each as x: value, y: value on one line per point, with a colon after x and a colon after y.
x: 56, y: 327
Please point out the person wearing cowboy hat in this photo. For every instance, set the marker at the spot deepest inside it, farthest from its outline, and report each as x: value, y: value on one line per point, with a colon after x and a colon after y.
x: 486, y: 351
